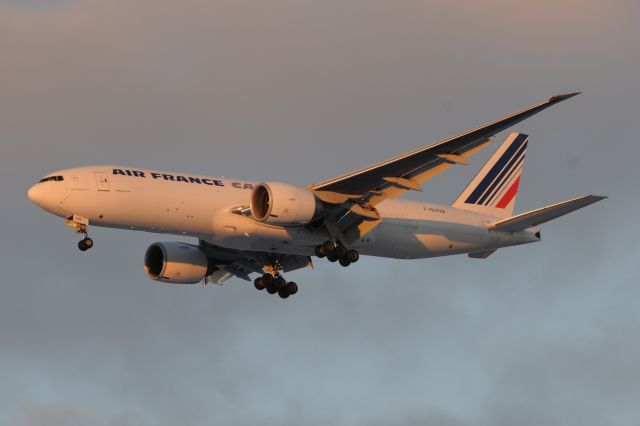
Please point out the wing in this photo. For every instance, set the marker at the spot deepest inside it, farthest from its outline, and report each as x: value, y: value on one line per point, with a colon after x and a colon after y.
x: 417, y: 162
x: 356, y: 194
x: 240, y: 263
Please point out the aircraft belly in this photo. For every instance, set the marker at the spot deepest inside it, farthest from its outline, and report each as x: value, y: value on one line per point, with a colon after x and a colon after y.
x: 422, y: 239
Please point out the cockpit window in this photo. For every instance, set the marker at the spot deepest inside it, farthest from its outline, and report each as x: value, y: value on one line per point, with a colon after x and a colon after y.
x: 52, y: 178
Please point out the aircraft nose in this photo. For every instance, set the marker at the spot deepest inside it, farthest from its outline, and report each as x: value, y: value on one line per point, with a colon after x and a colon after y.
x: 35, y: 193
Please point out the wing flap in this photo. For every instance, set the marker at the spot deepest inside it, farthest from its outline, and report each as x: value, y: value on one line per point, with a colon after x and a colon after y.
x: 545, y: 214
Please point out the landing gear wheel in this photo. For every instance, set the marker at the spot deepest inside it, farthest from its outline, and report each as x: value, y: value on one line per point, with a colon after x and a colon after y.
x: 332, y: 257
x: 271, y: 289
x: 85, y: 244
x: 353, y: 256
x: 283, y: 293
x: 329, y: 247
x: 292, y: 288
x: 344, y: 261
x: 267, y: 279
x: 258, y: 283
x: 341, y: 251
x: 319, y: 251
x: 279, y: 283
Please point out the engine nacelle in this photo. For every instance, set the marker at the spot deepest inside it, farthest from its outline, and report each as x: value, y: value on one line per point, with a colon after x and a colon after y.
x: 176, y: 263
x: 283, y: 204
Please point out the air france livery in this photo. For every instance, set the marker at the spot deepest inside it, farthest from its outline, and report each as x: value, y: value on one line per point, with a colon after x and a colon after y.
x: 271, y: 228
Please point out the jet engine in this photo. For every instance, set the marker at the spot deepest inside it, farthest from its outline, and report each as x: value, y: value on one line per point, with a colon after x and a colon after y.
x: 176, y: 263
x: 282, y: 204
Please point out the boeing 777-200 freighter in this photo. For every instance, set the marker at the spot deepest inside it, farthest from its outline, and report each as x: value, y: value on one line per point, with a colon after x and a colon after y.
x: 272, y: 228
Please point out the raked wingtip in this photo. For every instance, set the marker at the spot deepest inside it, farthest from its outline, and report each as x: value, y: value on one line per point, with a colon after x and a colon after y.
x: 562, y: 97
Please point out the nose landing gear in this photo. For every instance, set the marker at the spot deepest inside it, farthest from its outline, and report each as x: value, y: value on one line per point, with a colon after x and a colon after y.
x: 80, y: 224
x: 337, y: 252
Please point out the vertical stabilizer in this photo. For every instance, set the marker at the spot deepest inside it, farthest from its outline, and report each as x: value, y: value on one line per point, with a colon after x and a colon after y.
x: 493, y: 191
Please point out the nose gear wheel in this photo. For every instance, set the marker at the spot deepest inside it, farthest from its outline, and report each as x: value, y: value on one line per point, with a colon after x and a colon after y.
x: 85, y: 244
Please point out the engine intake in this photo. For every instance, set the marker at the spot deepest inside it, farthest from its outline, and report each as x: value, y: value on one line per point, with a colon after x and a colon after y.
x: 283, y: 204
x: 176, y: 263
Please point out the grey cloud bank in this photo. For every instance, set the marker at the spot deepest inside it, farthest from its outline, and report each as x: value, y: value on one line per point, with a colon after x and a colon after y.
x: 298, y: 92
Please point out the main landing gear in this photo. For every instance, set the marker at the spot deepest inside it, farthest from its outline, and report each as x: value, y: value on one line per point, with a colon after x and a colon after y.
x: 276, y: 284
x: 337, y: 252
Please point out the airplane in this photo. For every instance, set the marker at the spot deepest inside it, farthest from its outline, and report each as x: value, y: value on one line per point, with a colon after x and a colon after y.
x: 270, y: 228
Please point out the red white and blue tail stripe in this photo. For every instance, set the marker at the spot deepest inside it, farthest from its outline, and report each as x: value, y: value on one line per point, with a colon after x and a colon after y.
x: 494, y: 189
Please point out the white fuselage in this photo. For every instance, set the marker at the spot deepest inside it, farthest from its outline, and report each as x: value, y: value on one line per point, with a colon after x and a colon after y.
x: 201, y: 206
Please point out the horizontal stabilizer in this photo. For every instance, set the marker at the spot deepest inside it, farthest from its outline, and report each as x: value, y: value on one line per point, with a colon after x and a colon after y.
x: 545, y: 214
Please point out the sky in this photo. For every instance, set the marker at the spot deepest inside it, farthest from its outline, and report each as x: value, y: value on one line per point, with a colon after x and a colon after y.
x: 301, y: 91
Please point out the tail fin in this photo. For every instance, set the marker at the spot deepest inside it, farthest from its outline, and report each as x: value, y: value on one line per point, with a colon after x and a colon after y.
x: 493, y: 191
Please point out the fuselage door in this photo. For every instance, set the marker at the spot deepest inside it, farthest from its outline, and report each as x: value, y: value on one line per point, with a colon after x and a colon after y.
x: 102, y: 181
